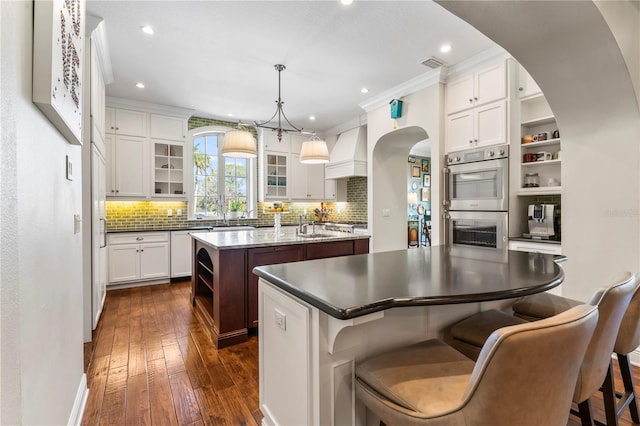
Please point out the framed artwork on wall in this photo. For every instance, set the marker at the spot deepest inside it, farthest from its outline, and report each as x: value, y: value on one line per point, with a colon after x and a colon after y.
x: 426, y: 180
x: 412, y: 159
x: 58, y: 46
x: 415, y: 171
x: 425, y: 194
x: 425, y: 166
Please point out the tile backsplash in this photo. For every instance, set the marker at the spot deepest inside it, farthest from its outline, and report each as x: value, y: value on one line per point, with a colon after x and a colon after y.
x: 150, y: 215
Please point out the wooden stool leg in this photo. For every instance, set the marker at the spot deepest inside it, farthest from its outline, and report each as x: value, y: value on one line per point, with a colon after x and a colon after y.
x: 609, y: 397
x: 586, y: 416
x: 627, y: 379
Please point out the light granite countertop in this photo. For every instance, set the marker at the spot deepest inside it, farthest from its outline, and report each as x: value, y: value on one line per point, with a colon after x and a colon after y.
x: 264, y: 237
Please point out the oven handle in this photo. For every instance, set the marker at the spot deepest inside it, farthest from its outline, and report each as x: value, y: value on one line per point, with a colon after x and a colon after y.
x: 445, y: 199
x: 446, y: 221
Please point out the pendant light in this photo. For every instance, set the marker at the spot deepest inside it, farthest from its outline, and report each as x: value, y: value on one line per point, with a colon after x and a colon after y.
x: 314, y: 151
x: 239, y: 143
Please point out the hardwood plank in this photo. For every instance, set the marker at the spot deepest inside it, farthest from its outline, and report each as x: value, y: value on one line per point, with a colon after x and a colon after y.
x: 211, y: 409
x: 235, y: 406
x: 184, y: 399
x: 137, y: 359
x: 160, y: 401
x: 138, y: 410
x: 96, y: 381
x: 120, y: 348
x: 173, y: 359
x: 113, y: 406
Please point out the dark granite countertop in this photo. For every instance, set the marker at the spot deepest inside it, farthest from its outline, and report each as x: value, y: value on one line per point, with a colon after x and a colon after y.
x: 352, y: 286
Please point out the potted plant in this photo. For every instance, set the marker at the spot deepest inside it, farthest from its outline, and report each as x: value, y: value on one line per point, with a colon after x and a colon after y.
x: 234, y: 209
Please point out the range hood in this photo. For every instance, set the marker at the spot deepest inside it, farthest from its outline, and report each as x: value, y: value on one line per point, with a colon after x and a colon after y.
x: 349, y: 155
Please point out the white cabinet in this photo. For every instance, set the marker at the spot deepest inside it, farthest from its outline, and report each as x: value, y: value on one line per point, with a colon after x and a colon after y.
x: 138, y: 256
x: 480, y: 87
x: 271, y: 143
x: 275, y: 176
x: 127, y: 166
x: 335, y: 190
x: 126, y: 122
x: 481, y: 126
x: 307, y: 180
x: 168, y: 128
x: 167, y: 169
x: 527, y: 86
x: 181, y: 256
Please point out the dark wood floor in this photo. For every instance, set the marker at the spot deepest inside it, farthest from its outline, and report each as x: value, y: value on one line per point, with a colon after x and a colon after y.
x: 152, y: 362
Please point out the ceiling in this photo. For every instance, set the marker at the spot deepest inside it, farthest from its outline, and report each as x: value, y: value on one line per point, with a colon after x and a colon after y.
x: 218, y: 57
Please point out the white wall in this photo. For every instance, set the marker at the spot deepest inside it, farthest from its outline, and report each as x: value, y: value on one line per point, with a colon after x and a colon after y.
x: 387, y: 151
x: 571, y: 52
x: 41, y: 261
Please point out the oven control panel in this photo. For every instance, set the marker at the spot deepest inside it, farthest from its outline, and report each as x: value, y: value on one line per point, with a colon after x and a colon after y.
x: 478, y: 154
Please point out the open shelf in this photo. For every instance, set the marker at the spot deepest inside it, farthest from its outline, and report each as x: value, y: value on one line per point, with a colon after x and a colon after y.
x: 538, y: 121
x: 541, y: 143
x: 541, y: 190
x: 541, y: 163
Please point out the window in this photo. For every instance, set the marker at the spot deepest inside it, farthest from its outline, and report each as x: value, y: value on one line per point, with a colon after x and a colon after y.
x: 219, y: 184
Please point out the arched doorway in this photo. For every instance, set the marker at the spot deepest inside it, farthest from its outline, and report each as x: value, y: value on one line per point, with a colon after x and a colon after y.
x: 388, y: 181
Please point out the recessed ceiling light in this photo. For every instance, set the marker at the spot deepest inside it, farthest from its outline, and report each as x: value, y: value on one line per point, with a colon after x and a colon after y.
x: 364, y: 90
x: 312, y: 117
x: 445, y: 48
x: 140, y: 85
x: 346, y: 2
x: 147, y: 30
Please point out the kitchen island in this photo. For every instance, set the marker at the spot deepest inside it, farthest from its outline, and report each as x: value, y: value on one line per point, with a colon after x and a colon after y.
x: 223, y: 288
x: 320, y: 317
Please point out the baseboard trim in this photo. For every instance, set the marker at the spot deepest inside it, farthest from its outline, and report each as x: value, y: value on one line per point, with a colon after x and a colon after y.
x: 80, y: 402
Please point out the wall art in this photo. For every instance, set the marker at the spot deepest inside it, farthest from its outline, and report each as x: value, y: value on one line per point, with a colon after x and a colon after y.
x: 58, y: 45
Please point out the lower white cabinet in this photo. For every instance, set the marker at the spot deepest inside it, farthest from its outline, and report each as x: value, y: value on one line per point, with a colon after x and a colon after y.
x: 181, y: 257
x: 535, y: 247
x: 138, y: 256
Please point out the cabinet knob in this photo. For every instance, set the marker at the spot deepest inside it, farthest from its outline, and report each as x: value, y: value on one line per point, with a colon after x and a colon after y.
x: 520, y: 89
x: 475, y: 99
x: 470, y: 100
x: 117, y: 190
x: 475, y: 140
x: 117, y: 128
x: 471, y: 141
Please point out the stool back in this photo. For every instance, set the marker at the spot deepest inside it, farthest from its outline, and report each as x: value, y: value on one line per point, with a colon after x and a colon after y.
x: 629, y: 335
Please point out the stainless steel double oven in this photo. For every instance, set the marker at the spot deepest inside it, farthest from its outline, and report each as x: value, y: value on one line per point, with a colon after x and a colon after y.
x: 476, y: 197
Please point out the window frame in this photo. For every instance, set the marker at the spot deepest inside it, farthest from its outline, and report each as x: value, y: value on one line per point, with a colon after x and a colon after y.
x: 252, y: 175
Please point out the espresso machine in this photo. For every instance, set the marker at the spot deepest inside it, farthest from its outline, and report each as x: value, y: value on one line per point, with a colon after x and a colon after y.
x: 544, y: 222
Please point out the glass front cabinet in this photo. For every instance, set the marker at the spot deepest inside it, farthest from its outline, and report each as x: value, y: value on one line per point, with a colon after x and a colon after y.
x: 168, y: 169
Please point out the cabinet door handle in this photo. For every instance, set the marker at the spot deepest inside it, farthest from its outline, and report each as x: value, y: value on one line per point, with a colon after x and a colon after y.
x: 104, y: 233
x: 139, y: 238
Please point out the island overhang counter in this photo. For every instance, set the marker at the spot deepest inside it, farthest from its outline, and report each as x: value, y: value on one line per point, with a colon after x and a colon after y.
x: 320, y: 317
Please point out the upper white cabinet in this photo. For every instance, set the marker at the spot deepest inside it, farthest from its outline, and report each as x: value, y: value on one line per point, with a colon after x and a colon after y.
x: 276, y: 172
x: 527, y: 86
x: 486, y: 85
x: 481, y: 126
x: 127, y: 166
x: 271, y: 142
x: 126, y: 122
x: 144, y: 148
x: 307, y: 180
x: 168, y: 128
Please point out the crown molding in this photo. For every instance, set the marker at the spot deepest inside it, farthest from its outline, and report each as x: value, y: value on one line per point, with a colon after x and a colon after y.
x: 411, y: 86
x: 347, y: 125
x: 115, y: 102
x: 490, y: 55
x: 96, y: 29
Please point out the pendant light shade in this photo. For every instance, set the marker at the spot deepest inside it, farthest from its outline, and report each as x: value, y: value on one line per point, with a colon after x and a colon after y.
x: 239, y: 144
x: 314, y: 151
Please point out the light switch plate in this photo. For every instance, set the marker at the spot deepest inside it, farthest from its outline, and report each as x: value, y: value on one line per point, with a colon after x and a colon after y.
x: 281, y: 319
x: 69, y: 168
x: 169, y: 212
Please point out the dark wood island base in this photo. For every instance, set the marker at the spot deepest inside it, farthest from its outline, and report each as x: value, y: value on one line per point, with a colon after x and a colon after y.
x: 224, y: 291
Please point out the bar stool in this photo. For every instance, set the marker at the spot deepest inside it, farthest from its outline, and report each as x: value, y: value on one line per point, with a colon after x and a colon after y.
x: 430, y: 383
x: 543, y: 305
x: 595, y: 370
